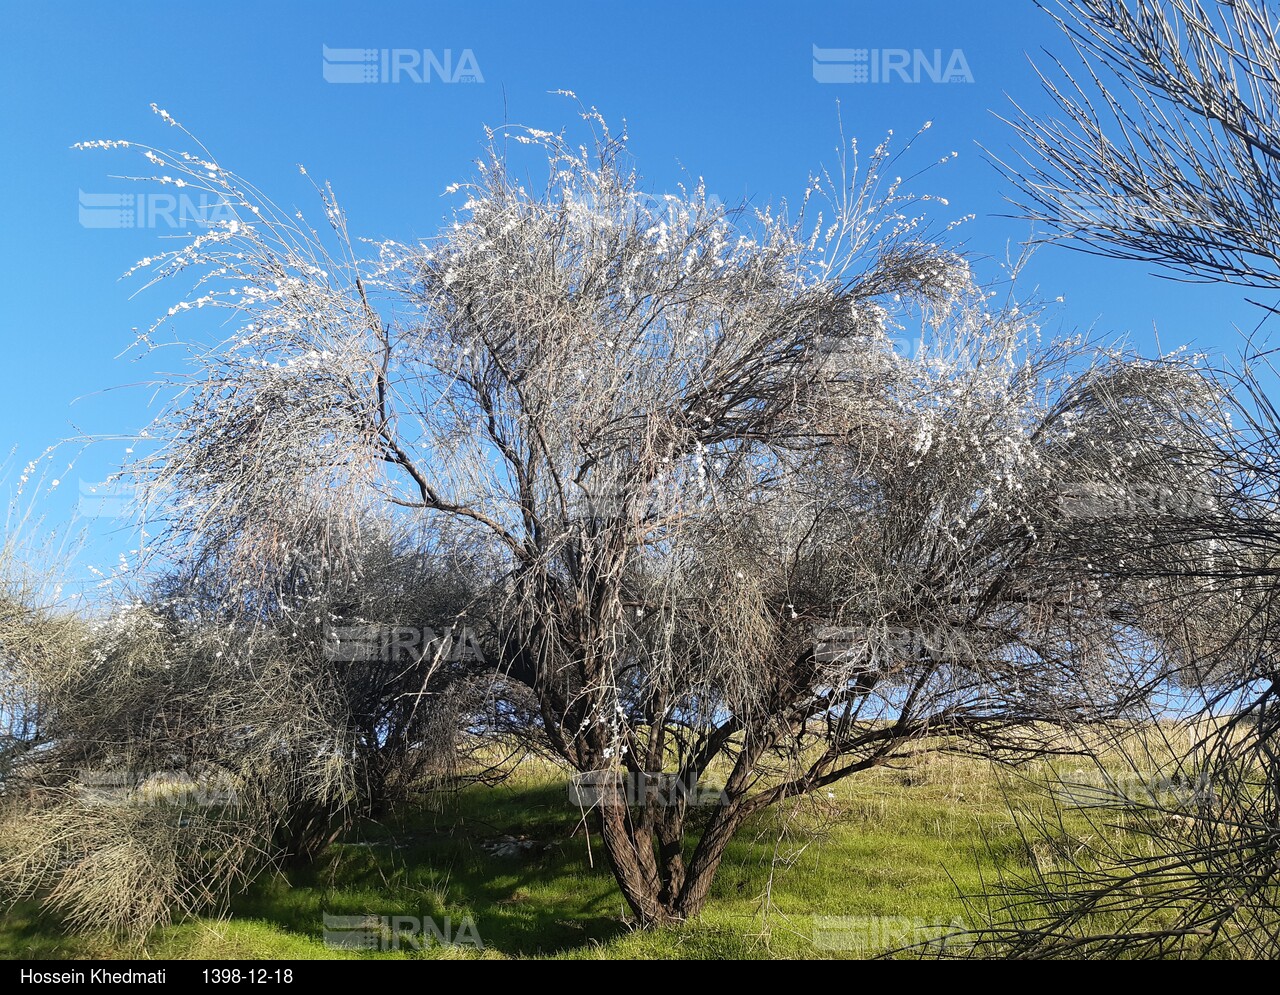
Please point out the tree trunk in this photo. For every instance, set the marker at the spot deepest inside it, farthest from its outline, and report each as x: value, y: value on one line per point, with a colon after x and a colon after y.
x: 630, y: 854
x: 706, y: 860
x: 655, y: 881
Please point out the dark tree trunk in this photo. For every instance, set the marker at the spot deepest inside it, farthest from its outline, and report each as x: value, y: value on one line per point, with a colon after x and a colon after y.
x: 645, y: 849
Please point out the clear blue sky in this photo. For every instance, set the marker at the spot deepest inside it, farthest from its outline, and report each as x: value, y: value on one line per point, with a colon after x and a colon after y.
x: 722, y: 90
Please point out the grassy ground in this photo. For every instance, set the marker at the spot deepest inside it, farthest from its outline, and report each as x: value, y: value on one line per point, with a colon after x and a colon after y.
x: 876, y: 861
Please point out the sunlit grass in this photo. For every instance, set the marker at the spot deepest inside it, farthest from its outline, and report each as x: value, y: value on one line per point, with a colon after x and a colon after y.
x: 902, y: 844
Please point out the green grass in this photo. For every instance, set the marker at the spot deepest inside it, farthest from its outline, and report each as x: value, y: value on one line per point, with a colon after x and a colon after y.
x: 890, y: 843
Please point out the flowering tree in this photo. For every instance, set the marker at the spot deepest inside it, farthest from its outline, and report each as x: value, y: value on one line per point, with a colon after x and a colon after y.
x: 1166, y: 150
x: 718, y: 531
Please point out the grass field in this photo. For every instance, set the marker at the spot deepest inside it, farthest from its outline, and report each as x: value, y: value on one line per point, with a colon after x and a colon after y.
x: 881, y: 858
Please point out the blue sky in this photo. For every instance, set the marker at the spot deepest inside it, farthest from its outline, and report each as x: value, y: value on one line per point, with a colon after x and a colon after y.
x: 723, y: 91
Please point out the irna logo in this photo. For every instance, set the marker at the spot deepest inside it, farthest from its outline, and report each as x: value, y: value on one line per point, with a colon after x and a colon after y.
x: 399, y: 65
x: 890, y: 65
